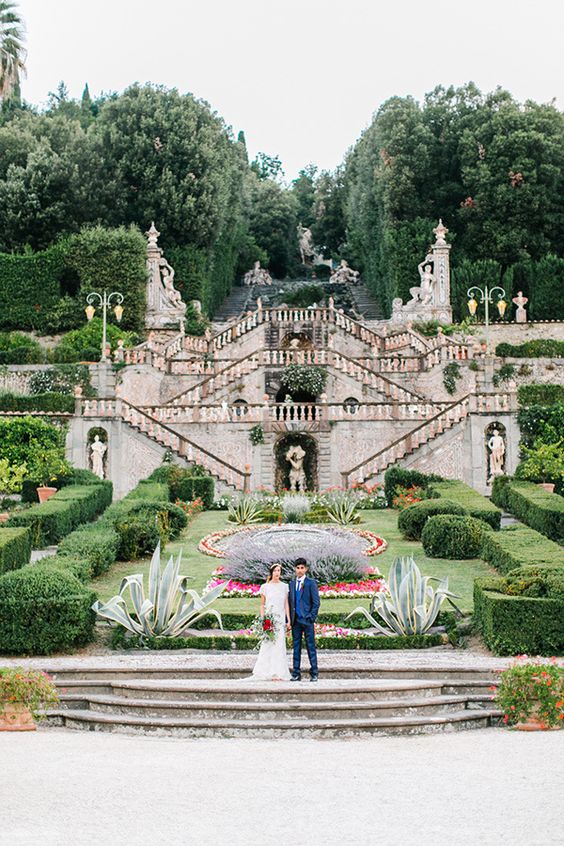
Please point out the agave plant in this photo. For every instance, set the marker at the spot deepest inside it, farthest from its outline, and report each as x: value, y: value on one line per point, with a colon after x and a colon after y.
x: 244, y: 511
x: 342, y: 510
x: 170, y: 607
x: 411, y: 605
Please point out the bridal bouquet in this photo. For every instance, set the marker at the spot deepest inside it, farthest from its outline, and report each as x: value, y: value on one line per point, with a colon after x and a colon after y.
x: 267, y: 627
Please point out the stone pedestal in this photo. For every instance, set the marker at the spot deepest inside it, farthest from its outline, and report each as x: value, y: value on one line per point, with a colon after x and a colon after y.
x: 164, y: 303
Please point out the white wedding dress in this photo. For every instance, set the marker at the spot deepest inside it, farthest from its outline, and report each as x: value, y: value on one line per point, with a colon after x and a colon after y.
x: 272, y: 662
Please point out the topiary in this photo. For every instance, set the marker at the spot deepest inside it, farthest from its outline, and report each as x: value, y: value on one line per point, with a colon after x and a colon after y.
x: 534, y: 581
x: 412, y: 519
x: 452, y: 536
x: 137, y: 537
x: 44, y: 610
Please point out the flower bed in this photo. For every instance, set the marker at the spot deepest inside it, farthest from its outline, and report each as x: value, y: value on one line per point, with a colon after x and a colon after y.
x: 209, y: 544
x: 341, y: 590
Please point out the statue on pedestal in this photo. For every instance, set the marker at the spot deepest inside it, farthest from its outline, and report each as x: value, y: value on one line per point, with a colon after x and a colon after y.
x: 257, y: 276
x: 344, y: 273
x: 424, y: 293
x: 520, y: 301
x: 305, y: 244
x: 164, y: 302
x: 496, y: 446
x: 295, y: 456
x: 97, y: 451
x: 430, y: 300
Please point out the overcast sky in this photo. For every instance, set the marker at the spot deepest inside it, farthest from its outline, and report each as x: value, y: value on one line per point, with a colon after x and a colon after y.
x: 300, y: 77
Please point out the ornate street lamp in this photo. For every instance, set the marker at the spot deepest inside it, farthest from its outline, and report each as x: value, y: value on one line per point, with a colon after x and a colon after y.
x: 103, y: 302
x: 485, y: 297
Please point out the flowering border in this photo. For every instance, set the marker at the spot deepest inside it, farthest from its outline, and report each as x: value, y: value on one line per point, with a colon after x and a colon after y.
x: 339, y: 590
x: 207, y: 544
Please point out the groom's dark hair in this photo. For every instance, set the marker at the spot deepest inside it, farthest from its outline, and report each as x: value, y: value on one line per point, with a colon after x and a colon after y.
x: 300, y: 562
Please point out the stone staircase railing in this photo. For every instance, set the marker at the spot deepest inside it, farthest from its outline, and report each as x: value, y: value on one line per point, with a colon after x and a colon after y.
x: 366, y: 376
x: 137, y: 418
x: 409, y: 442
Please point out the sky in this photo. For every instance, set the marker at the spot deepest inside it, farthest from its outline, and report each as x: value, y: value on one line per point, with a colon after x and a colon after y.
x: 301, y: 78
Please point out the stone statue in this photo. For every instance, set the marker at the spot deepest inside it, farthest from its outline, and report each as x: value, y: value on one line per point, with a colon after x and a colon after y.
x: 496, y: 446
x: 119, y: 352
x: 305, y: 243
x: 164, y: 302
x: 520, y: 301
x: 97, y: 451
x: 344, y: 273
x: 257, y: 276
x: 423, y: 294
x: 295, y: 456
x: 430, y: 300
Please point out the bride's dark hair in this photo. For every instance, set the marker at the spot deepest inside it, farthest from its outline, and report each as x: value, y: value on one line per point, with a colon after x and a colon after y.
x: 271, y: 570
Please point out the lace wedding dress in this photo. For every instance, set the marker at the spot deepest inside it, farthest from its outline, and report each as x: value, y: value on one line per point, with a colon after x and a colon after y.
x: 272, y: 662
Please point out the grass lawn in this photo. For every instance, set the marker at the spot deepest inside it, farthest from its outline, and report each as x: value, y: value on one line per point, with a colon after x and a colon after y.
x: 461, y: 574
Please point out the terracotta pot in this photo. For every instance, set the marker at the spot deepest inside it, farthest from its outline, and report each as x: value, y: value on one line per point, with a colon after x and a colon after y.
x: 16, y: 717
x: 534, y: 724
x: 547, y: 486
x: 44, y: 493
x: 4, y: 516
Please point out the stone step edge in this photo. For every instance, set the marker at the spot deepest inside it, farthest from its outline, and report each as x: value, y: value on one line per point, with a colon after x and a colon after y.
x: 212, y: 671
x: 304, y: 688
x: 305, y: 707
x: 375, y: 722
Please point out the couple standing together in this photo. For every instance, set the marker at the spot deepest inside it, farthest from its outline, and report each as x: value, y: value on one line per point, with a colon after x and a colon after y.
x: 296, y: 605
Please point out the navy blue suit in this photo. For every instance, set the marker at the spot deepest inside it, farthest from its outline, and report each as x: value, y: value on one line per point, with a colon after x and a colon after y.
x: 304, y: 606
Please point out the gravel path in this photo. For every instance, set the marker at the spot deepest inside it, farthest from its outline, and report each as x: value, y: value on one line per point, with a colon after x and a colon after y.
x: 474, y: 788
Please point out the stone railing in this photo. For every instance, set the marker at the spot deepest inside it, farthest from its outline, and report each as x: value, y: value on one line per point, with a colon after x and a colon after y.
x: 366, y: 376
x: 407, y: 443
x: 167, y: 437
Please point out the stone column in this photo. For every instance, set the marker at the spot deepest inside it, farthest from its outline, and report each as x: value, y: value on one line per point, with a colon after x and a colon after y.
x: 441, y: 270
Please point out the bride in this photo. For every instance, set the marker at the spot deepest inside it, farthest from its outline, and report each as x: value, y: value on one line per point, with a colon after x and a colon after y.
x: 272, y: 664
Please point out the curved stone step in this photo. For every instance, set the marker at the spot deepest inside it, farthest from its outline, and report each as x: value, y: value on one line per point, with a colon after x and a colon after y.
x: 97, y: 721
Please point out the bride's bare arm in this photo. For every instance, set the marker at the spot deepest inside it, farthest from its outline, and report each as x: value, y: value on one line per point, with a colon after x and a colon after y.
x: 262, y: 601
x: 288, y: 618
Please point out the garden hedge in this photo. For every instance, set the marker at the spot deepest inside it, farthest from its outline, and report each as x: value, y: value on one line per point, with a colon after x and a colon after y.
x: 15, y: 548
x: 411, y: 520
x: 516, y: 546
x: 399, y: 476
x: 453, y: 536
x: 79, y: 567
x: 49, y: 402
x: 540, y: 394
x: 50, y: 521
x: 192, y: 487
x: 531, y: 504
x: 540, y: 348
x: 475, y: 504
x: 98, y: 545
x: 513, y: 625
x: 44, y: 610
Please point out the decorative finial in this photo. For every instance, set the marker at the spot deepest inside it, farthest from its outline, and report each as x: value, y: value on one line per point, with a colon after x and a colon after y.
x: 152, y: 234
x: 439, y: 232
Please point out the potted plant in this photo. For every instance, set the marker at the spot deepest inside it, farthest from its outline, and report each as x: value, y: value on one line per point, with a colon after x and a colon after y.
x: 24, y: 694
x: 531, y: 696
x: 544, y: 463
x: 11, y: 478
x: 48, y: 466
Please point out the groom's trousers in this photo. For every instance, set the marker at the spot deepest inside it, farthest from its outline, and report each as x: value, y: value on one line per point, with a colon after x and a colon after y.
x: 300, y: 630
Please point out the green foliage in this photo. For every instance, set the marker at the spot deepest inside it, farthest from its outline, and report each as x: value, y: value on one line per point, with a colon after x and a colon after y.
x: 542, y: 347
x: 44, y: 610
x: 271, y: 212
x: 541, y: 423
x: 137, y: 537
x: 37, y: 402
x: 398, y: 476
x: 531, y: 580
x: 256, y: 435
x: 244, y: 511
x: 17, y: 348
x: 451, y: 375
x: 147, y: 489
x: 304, y: 378
x: 85, y: 344
x: 189, y: 488
x: 540, y: 394
x: 97, y: 545
x: 475, y: 504
x: 22, y: 438
x: 518, y: 546
x: 15, y: 548
x: 61, y: 379
x: 81, y: 568
x: 532, y: 690
x: 30, y: 286
x: 304, y: 296
x: 543, y: 463
x: 533, y: 506
x: 504, y: 374
x: 412, y: 520
x: 453, y: 536
x: 11, y: 476
x: 516, y: 625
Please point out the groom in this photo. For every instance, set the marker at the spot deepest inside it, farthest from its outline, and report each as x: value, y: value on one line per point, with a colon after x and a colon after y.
x: 304, y: 605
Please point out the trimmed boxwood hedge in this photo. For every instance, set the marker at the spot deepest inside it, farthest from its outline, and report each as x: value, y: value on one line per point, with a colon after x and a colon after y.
x: 539, y: 348
x: 513, y: 625
x: 98, y: 545
x: 517, y: 546
x: 44, y: 610
x: 453, y: 536
x: 475, y: 504
x: 51, y: 521
x: 79, y: 567
x: 531, y: 504
x: 399, y: 476
x: 15, y: 548
x: 411, y: 520
x: 49, y: 402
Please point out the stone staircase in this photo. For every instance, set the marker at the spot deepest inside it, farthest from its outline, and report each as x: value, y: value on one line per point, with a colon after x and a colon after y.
x: 349, y: 700
x: 234, y: 304
x: 365, y: 302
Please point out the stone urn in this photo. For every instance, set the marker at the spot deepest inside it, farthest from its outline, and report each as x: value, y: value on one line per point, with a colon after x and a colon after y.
x: 16, y: 717
x: 44, y: 492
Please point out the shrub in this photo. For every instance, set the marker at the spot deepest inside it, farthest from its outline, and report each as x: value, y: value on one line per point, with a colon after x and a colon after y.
x: 532, y: 691
x: 475, y: 504
x: 84, y: 344
x: 17, y: 348
x: 535, y: 581
x: 540, y: 394
x: 150, y: 490
x: 78, y: 567
x: 516, y: 546
x: 54, y: 403
x: 407, y: 496
x: 543, y: 463
x: 195, y: 487
x: 398, y: 476
x: 44, y: 610
x: 15, y: 548
x: 540, y: 422
x: 137, y: 537
x: 534, y: 506
x: 304, y: 378
x: 30, y: 287
x: 412, y: 520
x: 513, y: 625
x: 98, y: 545
x: 61, y: 379
x: 542, y: 347
x: 22, y: 438
x: 453, y: 536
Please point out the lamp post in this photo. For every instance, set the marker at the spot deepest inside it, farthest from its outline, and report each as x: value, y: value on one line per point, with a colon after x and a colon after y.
x: 103, y: 302
x: 485, y: 295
